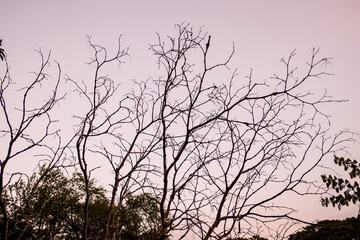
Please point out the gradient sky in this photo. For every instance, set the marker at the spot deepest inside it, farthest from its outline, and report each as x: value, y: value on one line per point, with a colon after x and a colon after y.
x: 262, y: 31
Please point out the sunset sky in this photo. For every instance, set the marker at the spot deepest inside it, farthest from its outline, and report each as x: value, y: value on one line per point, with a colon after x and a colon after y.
x: 262, y: 32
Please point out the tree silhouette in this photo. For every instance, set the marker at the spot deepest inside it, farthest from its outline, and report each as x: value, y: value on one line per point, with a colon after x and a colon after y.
x: 27, y: 126
x: 212, y: 152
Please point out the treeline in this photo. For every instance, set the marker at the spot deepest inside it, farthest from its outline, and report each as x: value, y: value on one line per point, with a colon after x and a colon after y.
x: 51, y: 206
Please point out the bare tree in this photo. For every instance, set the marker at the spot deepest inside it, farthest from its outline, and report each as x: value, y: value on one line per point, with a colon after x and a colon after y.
x: 230, y: 147
x: 215, y: 151
x: 102, y: 121
x: 27, y: 125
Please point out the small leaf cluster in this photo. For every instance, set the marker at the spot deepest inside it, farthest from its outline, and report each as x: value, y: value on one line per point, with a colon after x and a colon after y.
x: 346, y: 191
x: 2, y: 52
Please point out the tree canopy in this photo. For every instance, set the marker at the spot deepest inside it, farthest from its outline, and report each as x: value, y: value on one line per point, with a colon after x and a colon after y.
x: 348, y: 228
x: 52, y: 207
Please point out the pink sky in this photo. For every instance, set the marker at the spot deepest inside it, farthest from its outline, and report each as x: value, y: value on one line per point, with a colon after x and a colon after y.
x: 262, y: 31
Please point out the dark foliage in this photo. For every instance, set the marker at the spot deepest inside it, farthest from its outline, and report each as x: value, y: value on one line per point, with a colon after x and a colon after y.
x: 2, y: 52
x: 346, y: 191
x: 52, y: 207
x: 330, y: 230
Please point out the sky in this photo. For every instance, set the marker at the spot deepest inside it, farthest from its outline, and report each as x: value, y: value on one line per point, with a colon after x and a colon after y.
x: 262, y: 32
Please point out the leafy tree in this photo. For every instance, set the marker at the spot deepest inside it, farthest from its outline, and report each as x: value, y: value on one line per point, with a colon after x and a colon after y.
x: 54, y: 209
x: 142, y: 218
x: 346, y: 191
x: 330, y: 230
